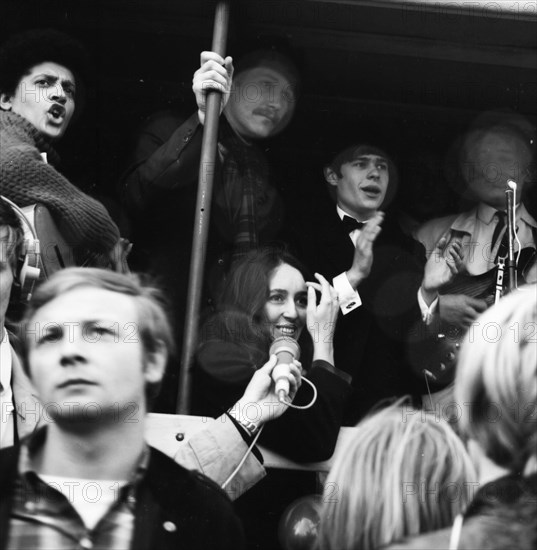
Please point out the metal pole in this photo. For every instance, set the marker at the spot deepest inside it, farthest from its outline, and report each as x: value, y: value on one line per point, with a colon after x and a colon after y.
x: 203, y: 212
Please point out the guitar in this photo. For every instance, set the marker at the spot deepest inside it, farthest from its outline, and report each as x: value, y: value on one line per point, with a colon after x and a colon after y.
x: 29, y: 262
x: 57, y: 253
x: 435, y: 356
x: 46, y: 251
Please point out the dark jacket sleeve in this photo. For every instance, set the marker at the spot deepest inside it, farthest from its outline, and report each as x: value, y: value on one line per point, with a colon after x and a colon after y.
x: 9, y: 457
x: 303, y: 435
x: 166, y: 157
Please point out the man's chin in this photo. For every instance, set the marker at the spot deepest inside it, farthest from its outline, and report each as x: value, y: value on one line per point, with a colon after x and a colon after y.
x: 274, y: 130
x: 53, y: 133
x: 265, y: 128
x: 79, y: 413
x: 499, y: 203
x: 258, y: 132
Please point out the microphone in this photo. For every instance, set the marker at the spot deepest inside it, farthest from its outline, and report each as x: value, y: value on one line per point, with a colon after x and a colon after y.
x: 286, y: 349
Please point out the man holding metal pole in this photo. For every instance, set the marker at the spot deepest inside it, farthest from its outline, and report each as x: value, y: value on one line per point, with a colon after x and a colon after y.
x: 259, y: 98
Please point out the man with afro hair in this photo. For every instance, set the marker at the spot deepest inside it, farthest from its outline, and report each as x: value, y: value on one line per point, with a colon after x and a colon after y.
x: 41, y: 75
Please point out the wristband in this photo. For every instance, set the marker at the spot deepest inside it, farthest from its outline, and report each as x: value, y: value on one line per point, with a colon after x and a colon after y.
x: 250, y: 427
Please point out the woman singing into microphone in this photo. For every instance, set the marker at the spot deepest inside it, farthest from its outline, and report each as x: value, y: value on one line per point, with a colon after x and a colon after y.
x: 266, y: 297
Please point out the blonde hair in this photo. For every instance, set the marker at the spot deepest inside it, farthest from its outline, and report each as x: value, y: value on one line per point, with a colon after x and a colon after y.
x: 406, y: 472
x: 496, y: 381
x: 153, y: 325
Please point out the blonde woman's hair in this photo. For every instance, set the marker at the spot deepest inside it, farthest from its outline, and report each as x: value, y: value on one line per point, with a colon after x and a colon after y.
x: 404, y: 473
x: 496, y: 381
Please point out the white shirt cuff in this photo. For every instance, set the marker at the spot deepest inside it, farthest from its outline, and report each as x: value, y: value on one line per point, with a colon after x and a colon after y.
x: 349, y: 299
x: 427, y: 312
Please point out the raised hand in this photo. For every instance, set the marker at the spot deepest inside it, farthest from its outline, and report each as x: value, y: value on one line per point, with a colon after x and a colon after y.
x: 363, y: 253
x: 215, y: 73
x: 443, y: 264
x: 321, y: 318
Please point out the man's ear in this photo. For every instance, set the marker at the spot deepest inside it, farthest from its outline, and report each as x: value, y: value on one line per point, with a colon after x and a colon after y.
x: 5, y: 102
x: 330, y: 176
x: 155, y: 364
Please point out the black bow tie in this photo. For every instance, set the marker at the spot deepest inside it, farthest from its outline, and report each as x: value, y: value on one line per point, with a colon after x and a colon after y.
x: 351, y: 224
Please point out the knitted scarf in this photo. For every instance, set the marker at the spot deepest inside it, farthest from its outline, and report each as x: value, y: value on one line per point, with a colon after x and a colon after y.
x: 248, y: 205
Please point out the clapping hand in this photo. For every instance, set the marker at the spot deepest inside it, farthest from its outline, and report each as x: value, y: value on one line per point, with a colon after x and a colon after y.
x: 363, y: 253
x: 443, y: 264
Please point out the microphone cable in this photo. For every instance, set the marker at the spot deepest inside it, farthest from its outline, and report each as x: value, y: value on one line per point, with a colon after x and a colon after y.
x: 256, y: 437
x: 243, y: 459
x: 427, y: 373
x: 301, y: 407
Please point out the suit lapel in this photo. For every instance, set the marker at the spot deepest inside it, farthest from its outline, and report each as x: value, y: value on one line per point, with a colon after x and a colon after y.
x: 336, y: 248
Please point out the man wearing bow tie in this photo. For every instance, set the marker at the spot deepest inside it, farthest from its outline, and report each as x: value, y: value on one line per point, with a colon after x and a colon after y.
x: 377, y: 270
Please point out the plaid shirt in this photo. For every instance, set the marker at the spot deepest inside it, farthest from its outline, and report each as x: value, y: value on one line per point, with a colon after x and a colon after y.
x: 43, y: 518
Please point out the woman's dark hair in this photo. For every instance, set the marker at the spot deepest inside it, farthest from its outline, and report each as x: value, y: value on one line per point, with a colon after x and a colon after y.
x: 240, y: 318
x: 23, y: 51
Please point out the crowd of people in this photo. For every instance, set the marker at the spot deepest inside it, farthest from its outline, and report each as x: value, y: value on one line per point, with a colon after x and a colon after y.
x: 367, y: 301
